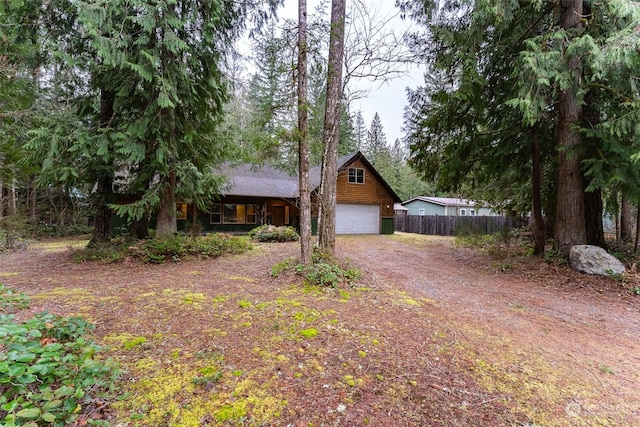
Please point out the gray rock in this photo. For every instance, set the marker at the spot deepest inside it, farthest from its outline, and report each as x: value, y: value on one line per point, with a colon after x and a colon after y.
x: 594, y: 260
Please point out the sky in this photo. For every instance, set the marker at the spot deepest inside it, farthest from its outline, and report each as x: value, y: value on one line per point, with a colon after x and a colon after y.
x: 387, y: 100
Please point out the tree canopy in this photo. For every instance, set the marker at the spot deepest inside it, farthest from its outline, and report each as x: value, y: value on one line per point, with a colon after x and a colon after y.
x: 505, y: 77
x: 136, y: 92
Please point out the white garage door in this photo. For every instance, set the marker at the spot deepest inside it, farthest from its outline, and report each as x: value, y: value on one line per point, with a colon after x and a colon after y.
x: 357, y: 219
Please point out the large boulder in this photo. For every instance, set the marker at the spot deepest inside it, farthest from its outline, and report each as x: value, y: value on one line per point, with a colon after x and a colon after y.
x: 594, y: 260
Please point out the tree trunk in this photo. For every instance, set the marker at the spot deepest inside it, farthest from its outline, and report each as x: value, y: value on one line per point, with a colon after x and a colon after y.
x: 139, y: 228
x: 331, y: 134
x: 570, y: 218
x: 303, y: 138
x: 33, y: 199
x: 14, y: 198
x: 167, y: 221
x: 1, y: 199
x: 626, y: 225
x: 102, y: 226
x: 536, y: 179
x: 102, y: 229
x: 593, y: 208
x: 195, y: 226
x: 637, y: 242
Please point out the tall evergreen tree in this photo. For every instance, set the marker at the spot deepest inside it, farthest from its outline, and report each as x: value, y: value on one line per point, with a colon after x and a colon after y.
x: 490, y: 58
x: 359, y: 131
x: 149, y: 90
x: 376, y: 148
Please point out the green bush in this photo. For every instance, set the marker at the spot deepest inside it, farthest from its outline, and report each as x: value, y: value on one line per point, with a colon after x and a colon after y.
x: 48, y: 373
x: 502, y: 244
x: 176, y: 247
x: 12, y: 301
x: 324, y: 271
x: 13, y: 230
x: 271, y: 233
x: 159, y: 250
x: 321, y: 274
x: 112, y: 251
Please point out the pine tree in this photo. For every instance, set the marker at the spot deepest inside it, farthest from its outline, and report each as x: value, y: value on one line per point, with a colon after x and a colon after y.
x: 360, y: 131
x: 146, y: 95
x: 376, y: 148
x: 488, y: 59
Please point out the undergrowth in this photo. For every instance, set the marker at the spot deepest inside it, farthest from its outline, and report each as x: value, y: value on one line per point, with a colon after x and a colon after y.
x: 16, y: 231
x: 49, y: 375
x: 12, y: 301
x: 13, y: 233
x: 502, y: 244
x: 159, y: 250
x: 324, y: 271
x: 271, y: 233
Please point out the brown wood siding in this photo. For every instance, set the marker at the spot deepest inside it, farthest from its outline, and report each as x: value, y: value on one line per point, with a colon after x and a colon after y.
x: 372, y: 192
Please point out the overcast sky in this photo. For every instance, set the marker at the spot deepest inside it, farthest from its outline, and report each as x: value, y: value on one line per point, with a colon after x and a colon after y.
x: 388, y: 100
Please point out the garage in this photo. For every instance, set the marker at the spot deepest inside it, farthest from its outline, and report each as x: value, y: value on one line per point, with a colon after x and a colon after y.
x: 357, y: 219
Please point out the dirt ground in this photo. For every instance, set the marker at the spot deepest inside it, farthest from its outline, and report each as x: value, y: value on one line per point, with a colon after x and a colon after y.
x: 433, y: 335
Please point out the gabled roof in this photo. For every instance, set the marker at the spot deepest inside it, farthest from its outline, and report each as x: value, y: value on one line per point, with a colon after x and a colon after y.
x: 266, y: 181
x: 443, y: 201
x: 259, y: 181
x: 343, y: 163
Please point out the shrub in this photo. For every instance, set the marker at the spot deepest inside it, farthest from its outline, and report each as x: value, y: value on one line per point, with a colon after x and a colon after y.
x: 321, y: 274
x: 41, y: 230
x: 175, y: 247
x: 12, y: 301
x: 502, y: 244
x: 158, y: 250
x: 271, y: 233
x: 108, y: 252
x: 324, y: 271
x: 13, y: 230
x: 47, y: 371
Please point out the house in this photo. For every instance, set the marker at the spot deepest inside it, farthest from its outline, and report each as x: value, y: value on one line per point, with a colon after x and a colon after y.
x: 423, y: 205
x: 263, y: 195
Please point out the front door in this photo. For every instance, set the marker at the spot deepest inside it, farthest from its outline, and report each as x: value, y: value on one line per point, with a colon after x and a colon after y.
x: 277, y: 216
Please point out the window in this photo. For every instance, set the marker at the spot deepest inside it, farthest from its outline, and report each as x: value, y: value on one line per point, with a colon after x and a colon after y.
x: 181, y: 211
x: 216, y: 214
x: 356, y: 176
x: 463, y: 212
x: 472, y: 212
x: 420, y: 211
x: 251, y: 214
x: 231, y: 213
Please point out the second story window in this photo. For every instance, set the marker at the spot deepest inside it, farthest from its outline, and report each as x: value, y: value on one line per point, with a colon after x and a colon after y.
x: 356, y: 176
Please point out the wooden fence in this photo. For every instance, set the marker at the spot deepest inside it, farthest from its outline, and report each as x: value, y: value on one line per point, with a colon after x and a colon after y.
x: 443, y: 225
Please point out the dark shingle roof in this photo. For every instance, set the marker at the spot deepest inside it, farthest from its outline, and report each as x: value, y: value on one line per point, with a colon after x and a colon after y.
x: 266, y: 181
x: 259, y: 181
